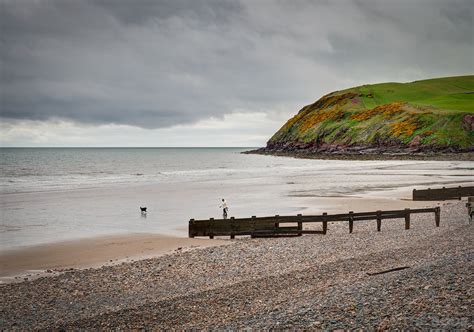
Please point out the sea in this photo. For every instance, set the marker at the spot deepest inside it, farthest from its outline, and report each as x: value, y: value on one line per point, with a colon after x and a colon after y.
x: 56, y: 194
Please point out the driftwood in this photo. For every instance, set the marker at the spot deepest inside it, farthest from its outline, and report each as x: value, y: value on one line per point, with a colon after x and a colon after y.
x: 387, y: 271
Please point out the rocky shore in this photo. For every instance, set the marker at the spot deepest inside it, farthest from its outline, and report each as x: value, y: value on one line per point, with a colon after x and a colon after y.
x: 313, y: 282
x: 363, y: 153
x: 390, y: 119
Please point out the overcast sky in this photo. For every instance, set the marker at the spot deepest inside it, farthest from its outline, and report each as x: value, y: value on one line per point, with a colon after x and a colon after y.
x: 207, y: 72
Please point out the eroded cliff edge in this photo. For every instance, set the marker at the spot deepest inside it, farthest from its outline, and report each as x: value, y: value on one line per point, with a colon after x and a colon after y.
x: 427, y: 117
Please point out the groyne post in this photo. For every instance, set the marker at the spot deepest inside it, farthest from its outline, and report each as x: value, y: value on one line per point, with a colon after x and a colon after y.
x: 407, y: 218
x: 300, y: 224
x: 325, y: 223
x: 211, y: 224
x: 190, y: 233
x: 437, y: 216
x: 252, y: 225
x: 351, y: 221
x: 379, y: 220
x: 232, y: 226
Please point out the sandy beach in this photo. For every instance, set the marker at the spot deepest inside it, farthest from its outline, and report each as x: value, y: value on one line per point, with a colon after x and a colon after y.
x: 236, y: 165
x: 44, y: 209
x: 32, y: 262
x: 77, y: 253
x: 36, y: 261
x: 304, y: 282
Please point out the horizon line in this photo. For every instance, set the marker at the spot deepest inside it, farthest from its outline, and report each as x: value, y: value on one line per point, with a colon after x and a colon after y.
x: 126, y: 147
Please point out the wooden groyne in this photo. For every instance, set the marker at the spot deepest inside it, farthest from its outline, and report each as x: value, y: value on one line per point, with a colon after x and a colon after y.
x: 293, y: 225
x: 470, y: 208
x: 441, y: 194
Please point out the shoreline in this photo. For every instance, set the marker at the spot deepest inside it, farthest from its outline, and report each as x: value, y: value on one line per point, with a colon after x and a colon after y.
x: 331, y: 281
x: 50, y: 259
x: 461, y: 156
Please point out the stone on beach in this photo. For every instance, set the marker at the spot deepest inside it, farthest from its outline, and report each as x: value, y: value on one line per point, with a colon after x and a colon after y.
x: 313, y: 282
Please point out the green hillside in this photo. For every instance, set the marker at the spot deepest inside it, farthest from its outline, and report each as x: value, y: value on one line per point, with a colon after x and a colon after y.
x: 435, y: 114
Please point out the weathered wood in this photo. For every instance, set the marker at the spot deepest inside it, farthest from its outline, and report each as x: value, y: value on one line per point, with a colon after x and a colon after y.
x: 300, y: 224
x: 379, y: 220
x: 437, y: 216
x: 351, y: 221
x: 232, y: 226
x: 190, y: 228
x: 252, y: 227
x: 325, y: 223
x: 407, y: 218
x: 441, y: 194
x: 280, y: 225
x: 390, y: 270
x: 320, y: 218
x: 211, y: 226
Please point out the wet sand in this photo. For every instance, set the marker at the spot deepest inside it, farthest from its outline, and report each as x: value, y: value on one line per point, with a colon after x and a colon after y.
x: 276, y: 185
x: 53, y: 258
x: 361, y: 204
x: 49, y: 259
x: 313, y: 282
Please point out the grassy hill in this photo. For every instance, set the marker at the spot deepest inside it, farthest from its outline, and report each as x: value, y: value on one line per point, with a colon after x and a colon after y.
x: 434, y: 115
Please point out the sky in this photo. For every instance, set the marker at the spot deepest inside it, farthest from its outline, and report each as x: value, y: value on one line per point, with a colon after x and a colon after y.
x: 207, y: 72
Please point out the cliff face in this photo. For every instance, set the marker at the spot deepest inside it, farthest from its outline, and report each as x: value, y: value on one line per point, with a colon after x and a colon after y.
x: 430, y: 115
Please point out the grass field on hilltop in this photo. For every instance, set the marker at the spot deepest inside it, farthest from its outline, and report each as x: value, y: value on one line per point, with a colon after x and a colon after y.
x: 447, y: 94
x: 434, y: 113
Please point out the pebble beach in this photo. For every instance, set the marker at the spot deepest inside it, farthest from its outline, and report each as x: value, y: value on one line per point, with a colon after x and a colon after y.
x: 311, y: 282
x: 236, y: 165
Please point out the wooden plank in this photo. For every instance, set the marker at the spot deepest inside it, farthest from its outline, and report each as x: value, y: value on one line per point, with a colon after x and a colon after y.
x: 325, y: 223
x: 211, y: 226
x: 321, y: 218
x: 426, y: 210
x: 374, y: 217
x: 437, y: 216
x: 286, y: 224
x: 232, y: 227
x: 252, y: 226
x: 300, y: 224
x: 387, y: 271
x: 442, y: 193
x: 379, y: 220
x: 351, y: 221
x: 407, y: 218
x: 191, y: 232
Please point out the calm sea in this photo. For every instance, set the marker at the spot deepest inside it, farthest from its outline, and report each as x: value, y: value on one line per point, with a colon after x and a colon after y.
x: 53, y: 194
x: 46, y: 169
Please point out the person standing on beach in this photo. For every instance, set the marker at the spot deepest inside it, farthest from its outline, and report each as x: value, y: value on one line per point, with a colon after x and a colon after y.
x: 224, y: 208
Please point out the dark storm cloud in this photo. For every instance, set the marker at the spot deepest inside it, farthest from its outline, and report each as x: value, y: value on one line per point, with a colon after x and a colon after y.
x: 160, y: 63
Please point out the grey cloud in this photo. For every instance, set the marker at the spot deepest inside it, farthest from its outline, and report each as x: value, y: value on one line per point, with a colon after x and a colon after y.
x: 204, y: 11
x: 156, y: 64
